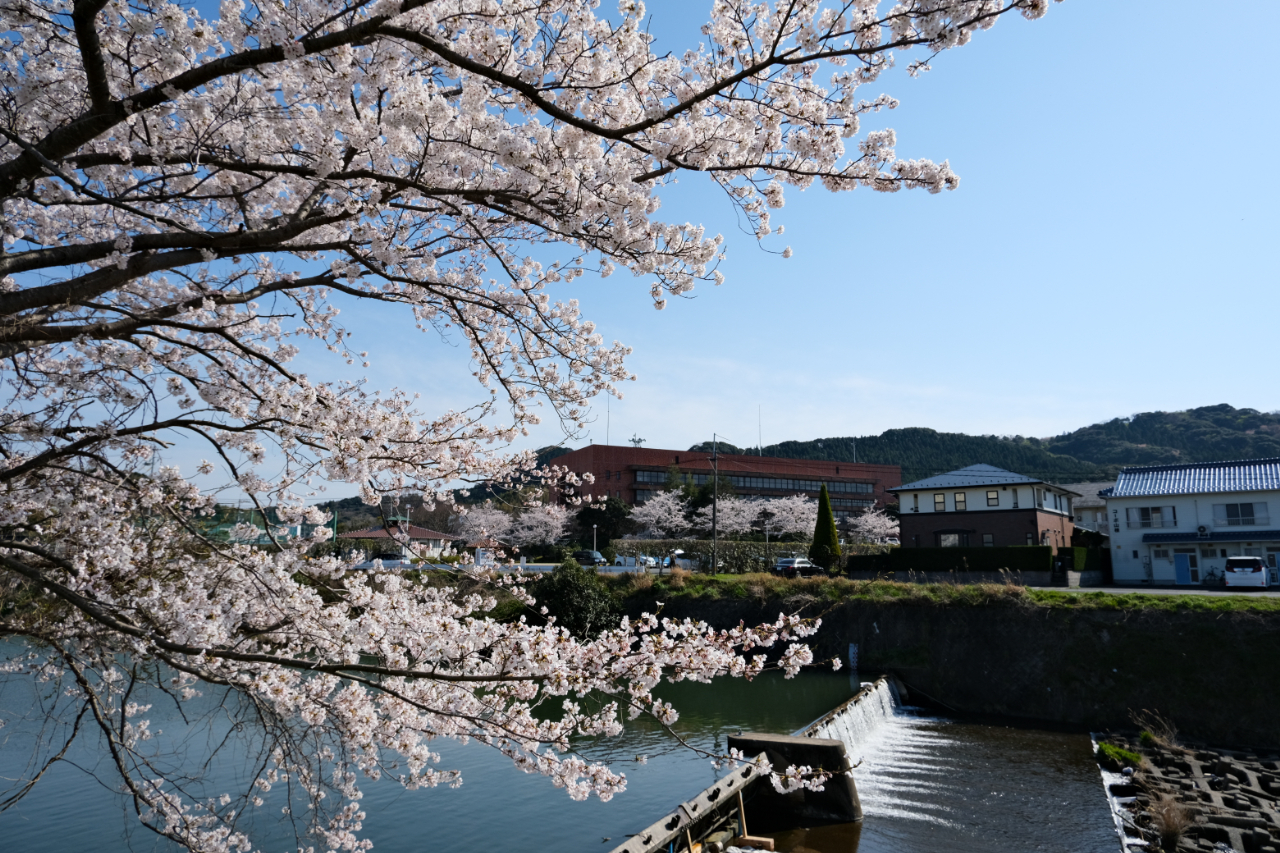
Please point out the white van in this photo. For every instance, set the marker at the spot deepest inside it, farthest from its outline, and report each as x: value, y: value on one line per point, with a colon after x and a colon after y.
x: 1245, y: 572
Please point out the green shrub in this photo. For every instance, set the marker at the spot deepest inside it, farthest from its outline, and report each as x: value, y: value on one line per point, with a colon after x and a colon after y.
x: 825, y: 550
x: 578, y: 598
x: 1148, y: 740
x: 1116, y: 759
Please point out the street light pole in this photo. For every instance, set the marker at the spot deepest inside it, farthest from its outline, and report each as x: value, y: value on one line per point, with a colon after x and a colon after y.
x: 593, y: 538
x: 715, y: 501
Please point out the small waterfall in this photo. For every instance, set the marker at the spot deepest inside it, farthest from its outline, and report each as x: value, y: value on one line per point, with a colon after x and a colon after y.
x: 901, y: 768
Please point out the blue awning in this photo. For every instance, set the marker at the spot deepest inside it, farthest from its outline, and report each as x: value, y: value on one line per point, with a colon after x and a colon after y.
x: 1222, y: 536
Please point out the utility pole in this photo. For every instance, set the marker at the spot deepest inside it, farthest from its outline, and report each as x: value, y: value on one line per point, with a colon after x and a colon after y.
x: 715, y: 501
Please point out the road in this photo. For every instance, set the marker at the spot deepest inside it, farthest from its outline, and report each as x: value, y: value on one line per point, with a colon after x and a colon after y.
x: 1272, y: 592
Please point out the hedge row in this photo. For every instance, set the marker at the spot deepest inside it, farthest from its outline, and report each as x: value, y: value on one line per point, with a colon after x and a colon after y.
x: 733, y: 556
x: 1020, y: 558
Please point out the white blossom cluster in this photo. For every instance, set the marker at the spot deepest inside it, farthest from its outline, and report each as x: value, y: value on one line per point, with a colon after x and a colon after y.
x: 668, y: 515
x: 185, y: 203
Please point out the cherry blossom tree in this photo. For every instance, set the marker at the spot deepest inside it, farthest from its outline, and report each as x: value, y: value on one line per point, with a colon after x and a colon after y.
x: 734, y: 515
x: 794, y: 514
x: 873, y: 525
x: 485, y: 521
x: 186, y: 203
x: 539, y: 525
x: 663, y: 516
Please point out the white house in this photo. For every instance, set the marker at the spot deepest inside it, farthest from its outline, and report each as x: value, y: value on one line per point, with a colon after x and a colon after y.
x: 1171, y: 524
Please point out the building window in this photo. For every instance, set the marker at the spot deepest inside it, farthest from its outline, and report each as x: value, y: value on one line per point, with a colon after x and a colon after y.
x: 1161, y: 554
x: 1209, y: 553
x: 960, y: 502
x: 988, y: 540
x: 993, y: 498
x: 608, y: 475
x: 1039, y: 497
x: 1151, y: 516
x: 939, y: 503
x: 1031, y: 539
x: 1015, y: 498
x: 915, y: 503
x: 952, y: 540
x: 1240, y: 515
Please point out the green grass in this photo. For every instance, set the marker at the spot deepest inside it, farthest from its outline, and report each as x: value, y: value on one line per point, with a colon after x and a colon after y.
x: 764, y: 587
x: 1115, y: 758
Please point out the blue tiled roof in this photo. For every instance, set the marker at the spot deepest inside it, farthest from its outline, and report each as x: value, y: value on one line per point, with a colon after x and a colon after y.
x: 1240, y: 475
x: 1224, y: 536
x: 974, y: 475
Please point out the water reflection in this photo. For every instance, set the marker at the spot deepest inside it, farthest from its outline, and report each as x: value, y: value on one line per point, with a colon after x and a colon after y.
x: 926, y: 784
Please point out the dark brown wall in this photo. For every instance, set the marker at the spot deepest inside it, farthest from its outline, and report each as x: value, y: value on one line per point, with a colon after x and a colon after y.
x: 1010, y: 527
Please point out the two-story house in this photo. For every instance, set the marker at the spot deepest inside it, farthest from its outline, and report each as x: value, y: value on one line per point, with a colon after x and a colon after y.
x: 1172, y: 524
x: 983, y: 505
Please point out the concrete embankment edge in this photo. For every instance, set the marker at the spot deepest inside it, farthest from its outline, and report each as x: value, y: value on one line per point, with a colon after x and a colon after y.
x: 1214, y: 674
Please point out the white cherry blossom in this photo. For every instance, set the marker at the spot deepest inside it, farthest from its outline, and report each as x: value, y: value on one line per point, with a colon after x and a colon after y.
x: 186, y: 202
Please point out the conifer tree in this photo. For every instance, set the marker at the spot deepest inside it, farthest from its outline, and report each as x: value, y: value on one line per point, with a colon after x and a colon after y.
x: 825, y: 550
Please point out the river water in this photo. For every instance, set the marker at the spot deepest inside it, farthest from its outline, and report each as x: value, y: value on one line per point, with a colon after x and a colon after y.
x: 927, y: 784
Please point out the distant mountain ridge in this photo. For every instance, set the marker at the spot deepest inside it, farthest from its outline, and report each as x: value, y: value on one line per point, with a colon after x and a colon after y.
x: 1091, y: 453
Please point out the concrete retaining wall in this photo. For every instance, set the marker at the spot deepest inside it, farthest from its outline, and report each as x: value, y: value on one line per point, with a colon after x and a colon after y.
x: 1213, y: 674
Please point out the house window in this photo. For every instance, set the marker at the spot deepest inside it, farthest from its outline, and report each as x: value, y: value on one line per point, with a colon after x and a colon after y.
x: 939, y: 503
x: 1031, y: 539
x: 1015, y: 498
x: 988, y: 540
x: 1208, y: 553
x: 952, y: 540
x: 915, y: 503
x: 1161, y: 554
x: 1240, y: 515
x: 1039, y: 497
x: 608, y: 475
x: 1151, y: 516
x: 993, y: 498
x: 960, y: 502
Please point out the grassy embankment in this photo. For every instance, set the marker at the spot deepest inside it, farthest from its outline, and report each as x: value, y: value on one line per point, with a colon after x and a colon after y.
x: 766, y: 587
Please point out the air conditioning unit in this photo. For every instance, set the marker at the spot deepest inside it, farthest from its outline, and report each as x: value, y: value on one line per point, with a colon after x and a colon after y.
x: 1202, y: 532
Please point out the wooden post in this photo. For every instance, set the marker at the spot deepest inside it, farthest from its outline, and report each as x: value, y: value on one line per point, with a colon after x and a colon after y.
x: 688, y: 838
x: 742, y: 815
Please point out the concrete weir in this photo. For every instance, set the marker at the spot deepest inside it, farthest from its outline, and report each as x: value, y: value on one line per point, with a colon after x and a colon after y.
x: 745, y: 802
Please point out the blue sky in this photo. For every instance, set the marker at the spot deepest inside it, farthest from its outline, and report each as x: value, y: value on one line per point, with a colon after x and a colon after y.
x: 1109, y: 251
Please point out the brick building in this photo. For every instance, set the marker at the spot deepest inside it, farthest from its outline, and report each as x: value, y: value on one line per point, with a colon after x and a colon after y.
x: 983, y: 505
x: 633, y: 474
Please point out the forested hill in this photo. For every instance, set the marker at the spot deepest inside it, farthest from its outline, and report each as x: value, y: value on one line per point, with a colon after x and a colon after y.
x: 1206, y: 434
x: 1088, y: 454
x: 924, y: 452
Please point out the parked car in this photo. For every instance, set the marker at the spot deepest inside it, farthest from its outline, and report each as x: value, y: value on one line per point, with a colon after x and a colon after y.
x: 390, y: 562
x: 892, y: 540
x: 642, y: 562
x: 791, y: 567
x: 1245, y: 572
x: 590, y: 558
